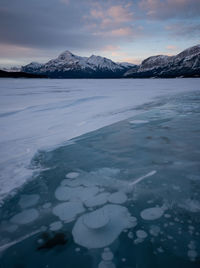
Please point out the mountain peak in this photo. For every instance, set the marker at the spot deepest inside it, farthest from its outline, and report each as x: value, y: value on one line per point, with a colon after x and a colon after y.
x: 66, y: 55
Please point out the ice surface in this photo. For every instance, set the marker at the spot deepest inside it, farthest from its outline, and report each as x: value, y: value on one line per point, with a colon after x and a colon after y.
x: 68, y: 211
x: 25, y: 217
x: 152, y: 213
x: 43, y: 114
x: 119, y: 219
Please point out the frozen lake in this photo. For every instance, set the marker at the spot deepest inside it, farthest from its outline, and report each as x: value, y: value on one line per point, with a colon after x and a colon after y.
x: 125, y: 195
x: 43, y: 114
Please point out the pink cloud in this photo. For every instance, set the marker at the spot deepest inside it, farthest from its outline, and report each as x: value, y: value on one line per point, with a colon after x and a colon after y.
x: 111, y: 48
x: 170, y: 8
x: 110, y: 20
x: 127, y: 31
x: 172, y: 47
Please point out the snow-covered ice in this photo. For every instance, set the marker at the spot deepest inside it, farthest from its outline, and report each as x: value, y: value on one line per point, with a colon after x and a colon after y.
x: 43, y: 114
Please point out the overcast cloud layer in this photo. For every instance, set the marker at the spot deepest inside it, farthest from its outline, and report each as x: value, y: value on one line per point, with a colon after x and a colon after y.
x: 39, y: 30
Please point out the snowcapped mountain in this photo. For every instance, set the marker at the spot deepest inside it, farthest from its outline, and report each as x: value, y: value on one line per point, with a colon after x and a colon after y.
x: 68, y: 65
x: 186, y: 64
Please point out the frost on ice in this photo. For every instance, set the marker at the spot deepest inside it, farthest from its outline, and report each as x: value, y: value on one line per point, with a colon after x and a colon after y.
x: 89, y: 233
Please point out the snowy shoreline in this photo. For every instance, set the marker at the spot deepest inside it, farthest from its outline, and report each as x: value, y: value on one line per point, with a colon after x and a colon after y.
x: 44, y: 114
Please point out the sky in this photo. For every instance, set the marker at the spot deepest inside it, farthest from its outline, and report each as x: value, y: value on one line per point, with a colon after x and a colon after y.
x: 122, y: 30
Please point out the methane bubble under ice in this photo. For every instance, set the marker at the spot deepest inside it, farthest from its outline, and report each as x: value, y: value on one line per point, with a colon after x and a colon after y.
x: 116, y: 218
x: 68, y: 211
x: 152, y: 213
x: 25, y: 217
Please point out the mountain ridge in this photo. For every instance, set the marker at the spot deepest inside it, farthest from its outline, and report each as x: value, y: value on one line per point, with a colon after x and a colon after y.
x: 69, y: 65
x: 184, y: 64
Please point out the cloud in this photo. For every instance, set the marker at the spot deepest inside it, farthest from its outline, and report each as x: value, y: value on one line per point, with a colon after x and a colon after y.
x: 191, y: 30
x: 165, y: 9
x: 127, y: 31
x: 171, y: 48
x: 112, y: 20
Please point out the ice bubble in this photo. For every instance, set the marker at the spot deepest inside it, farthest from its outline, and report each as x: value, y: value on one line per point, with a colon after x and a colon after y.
x: 152, y: 213
x: 81, y: 193
x: 191, y: 245
x: 72, y: 175
x: 47, y: 205
x: 154, y: 230
x: 192, y: 254
x: 117, y: 198
x: 26, y: 216
x: 71, y: 182
x: 96, y: 219
x: 130, y: 235
x: 141, y: 234
x: 11, y: 228
x: 160, y: 250
x: 55, y: 226
x: 191, y: 205
x: 106, y: 264
x: 107, y: 256
x: 68, y: 211
x: 97, y: 200
x: 108, y: 231
x: 77, y: 249
x: 27, y: 201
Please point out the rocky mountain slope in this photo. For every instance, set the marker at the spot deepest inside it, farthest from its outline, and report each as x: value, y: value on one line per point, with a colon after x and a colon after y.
x: 184, y: 64
x: 68, y: 65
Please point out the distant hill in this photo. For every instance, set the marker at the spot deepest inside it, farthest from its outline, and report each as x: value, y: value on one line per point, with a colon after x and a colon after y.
x: 184, y: 64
